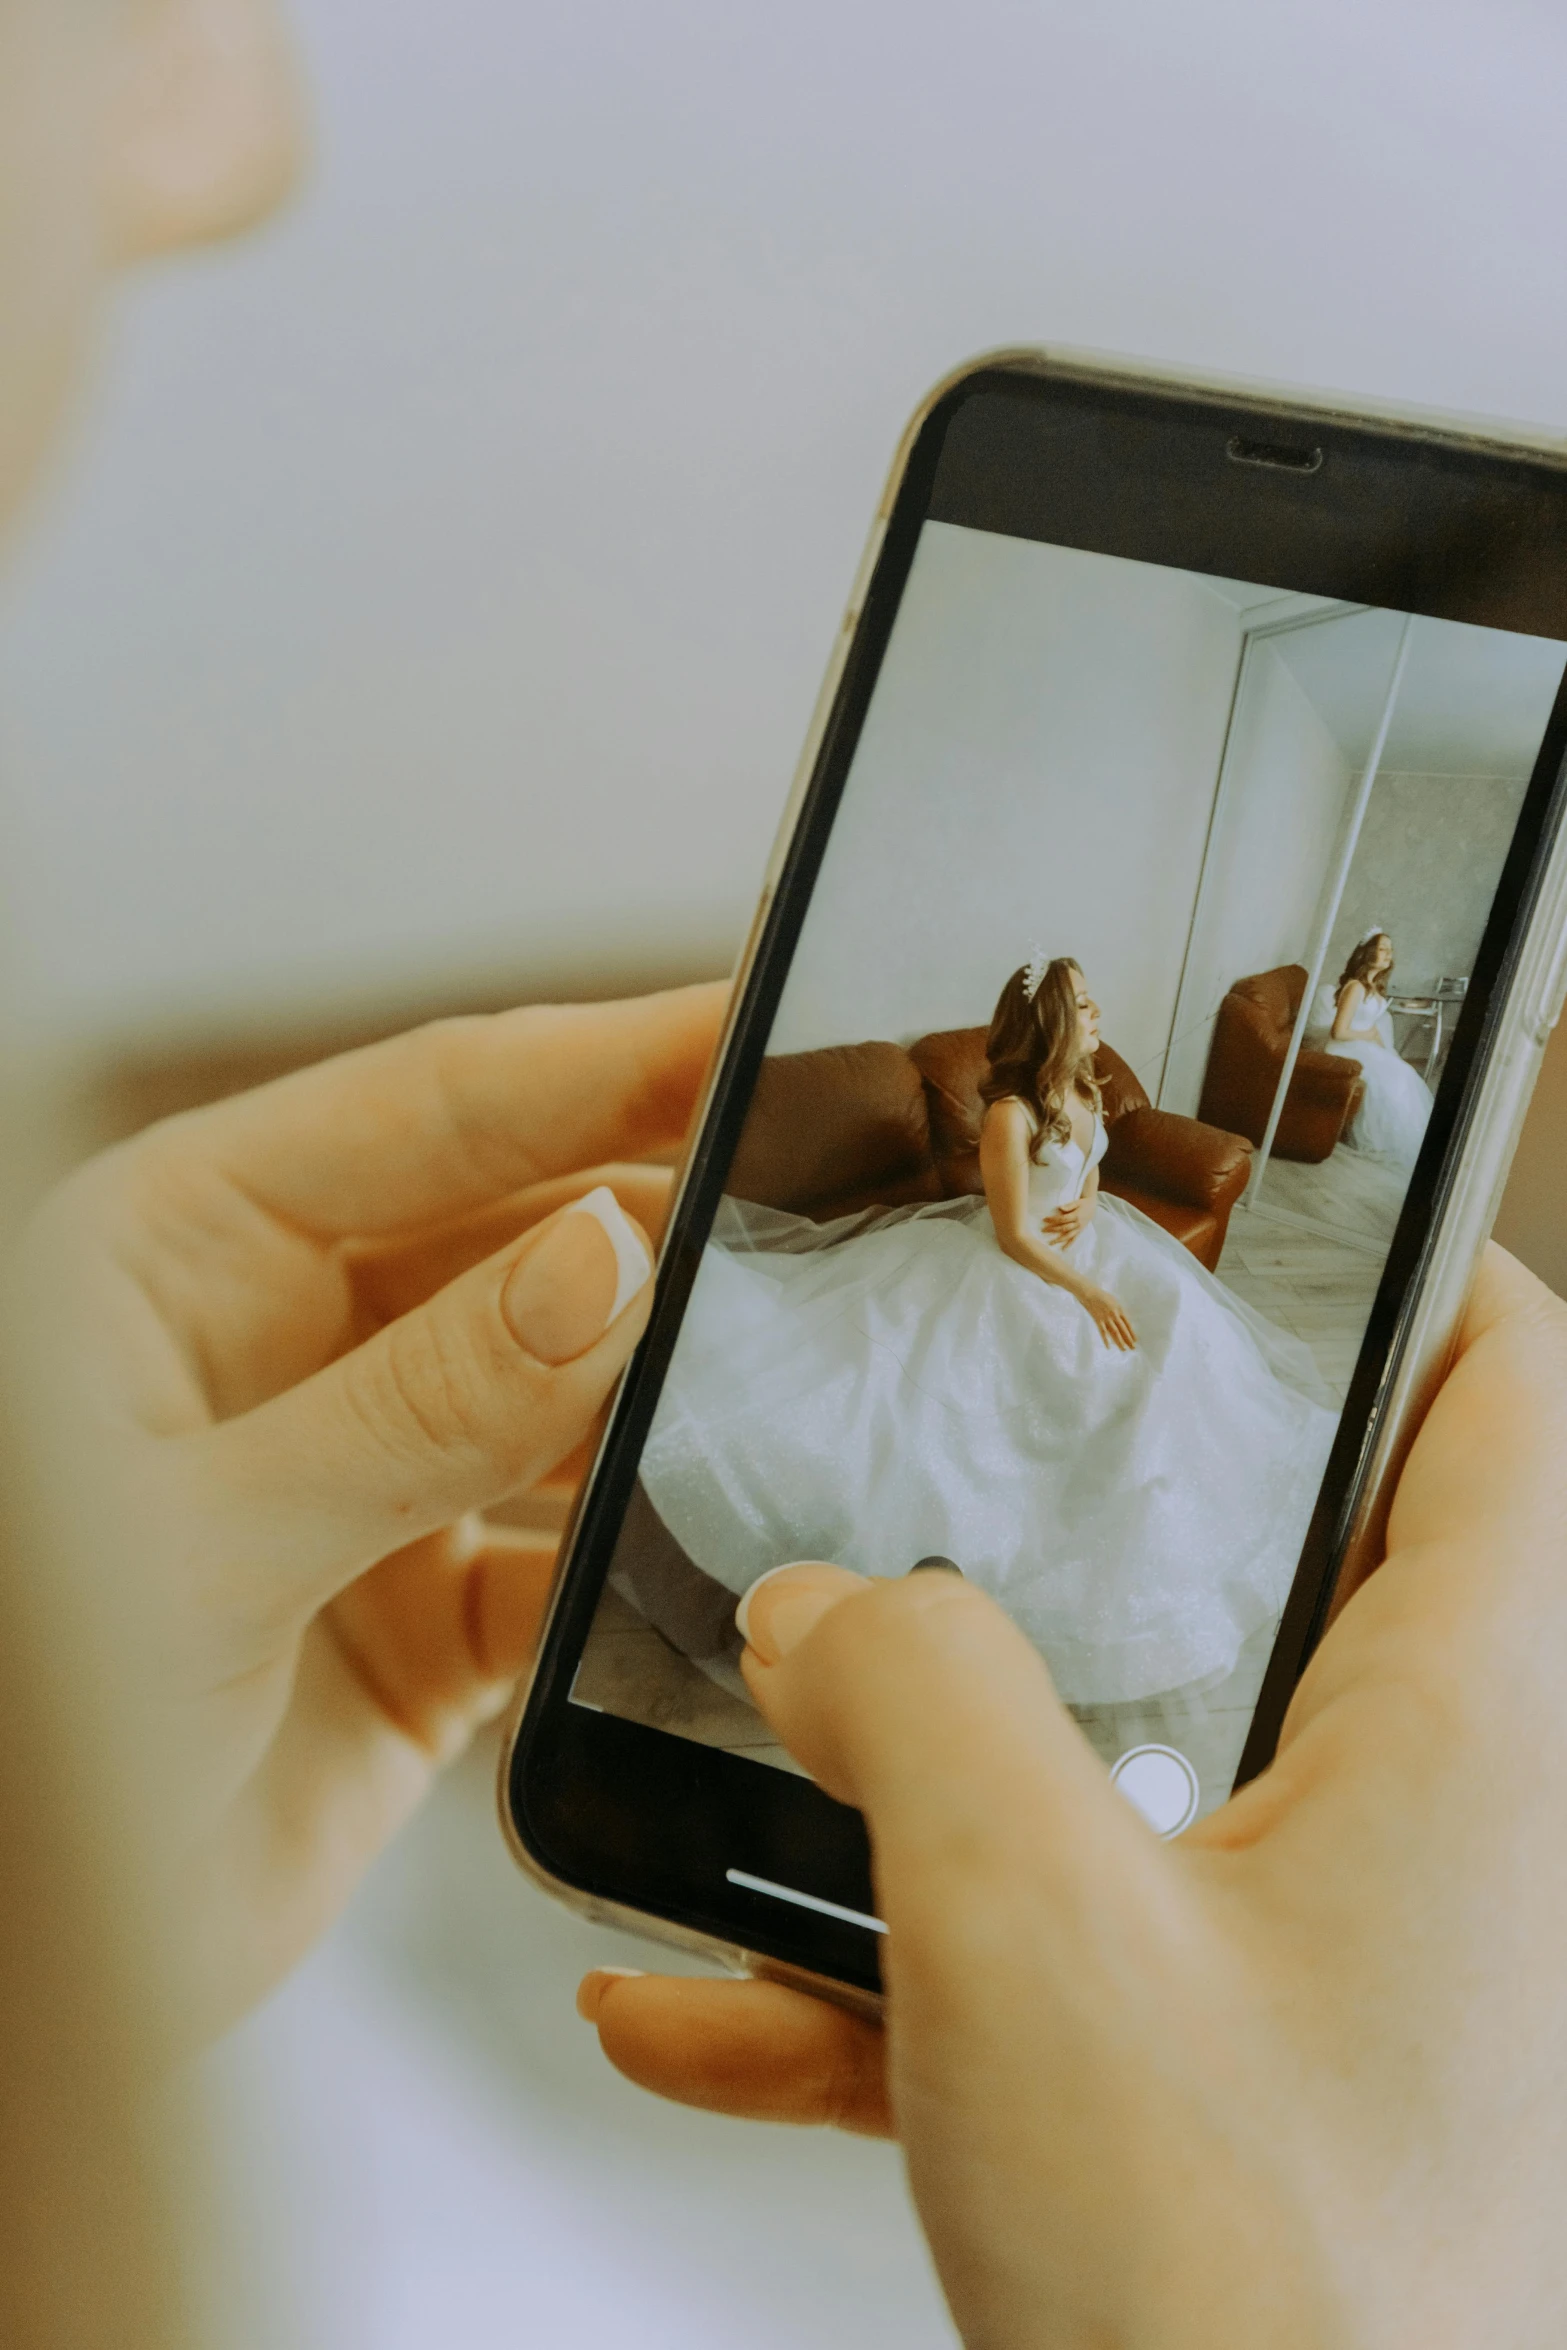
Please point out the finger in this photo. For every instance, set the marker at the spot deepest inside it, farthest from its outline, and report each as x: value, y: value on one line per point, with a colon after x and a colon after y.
x: 456, y: 1115
x: 1489, y: 1459
x: 390, y: 1278
x: 756, y: 2050
x: 471, y: 1397
x: 917, y: 1701
x: 1465, y: 1600
x: 1502, y: 1288
x: 439, y: 1632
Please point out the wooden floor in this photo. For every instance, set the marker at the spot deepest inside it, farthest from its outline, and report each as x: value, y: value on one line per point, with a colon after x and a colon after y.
x: 1308, y: 1256
x: 629, y: 1669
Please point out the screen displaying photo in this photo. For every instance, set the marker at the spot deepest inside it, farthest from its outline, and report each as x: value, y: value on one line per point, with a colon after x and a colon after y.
x: 1104, y: 1061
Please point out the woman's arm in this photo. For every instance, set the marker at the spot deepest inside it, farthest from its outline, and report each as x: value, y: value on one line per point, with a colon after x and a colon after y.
x: 1350, y: 998
x: 1003, y: 1163
x: 1066, y: 1223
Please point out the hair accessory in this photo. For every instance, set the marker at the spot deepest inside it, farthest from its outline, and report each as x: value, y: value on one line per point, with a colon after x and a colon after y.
x: 1377, y: 930
x: 1034, y: 973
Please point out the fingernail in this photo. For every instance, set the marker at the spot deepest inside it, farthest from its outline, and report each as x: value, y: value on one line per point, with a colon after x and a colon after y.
x: 591, y: 1989
x: 577, y: 1280
x: 776, y: 1615
x: 633, y: 1265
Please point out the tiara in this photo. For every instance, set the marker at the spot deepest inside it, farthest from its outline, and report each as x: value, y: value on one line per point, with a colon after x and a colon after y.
x: 1377, y: 930
x: 1033, y: 974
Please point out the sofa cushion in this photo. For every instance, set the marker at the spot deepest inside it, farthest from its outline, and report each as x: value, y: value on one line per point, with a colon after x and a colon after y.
x: 1120, y: 1087
x: 836, y: 1129
x: 952, y: 1062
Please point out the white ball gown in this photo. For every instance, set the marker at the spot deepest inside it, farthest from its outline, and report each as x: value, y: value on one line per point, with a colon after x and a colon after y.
x: 1391, y: 1120
x: 891, y: 1386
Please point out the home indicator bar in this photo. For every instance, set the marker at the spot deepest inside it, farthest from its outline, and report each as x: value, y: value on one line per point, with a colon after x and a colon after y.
x: 828, y: 1909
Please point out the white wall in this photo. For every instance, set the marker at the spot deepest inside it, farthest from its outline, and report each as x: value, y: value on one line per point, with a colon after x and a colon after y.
x: 451, y: 570
x: 1038, y: 767
x: 1426, y: 867
x: 1284, y: 805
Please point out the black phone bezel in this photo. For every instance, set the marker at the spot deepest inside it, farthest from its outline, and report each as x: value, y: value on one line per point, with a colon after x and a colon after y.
x: 1413, y: 518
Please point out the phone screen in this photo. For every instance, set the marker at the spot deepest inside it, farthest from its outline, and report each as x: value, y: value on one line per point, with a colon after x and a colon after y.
x: 1103, y: 1064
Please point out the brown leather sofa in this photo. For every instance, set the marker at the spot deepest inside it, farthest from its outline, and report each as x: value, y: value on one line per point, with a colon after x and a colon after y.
x: 1246, y: 1061
x: 863, y: 1125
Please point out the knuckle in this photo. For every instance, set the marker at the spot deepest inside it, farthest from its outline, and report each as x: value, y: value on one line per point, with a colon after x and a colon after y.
x: 471, y: 1063
x: 851, y: 2095
x: 421, y: 1391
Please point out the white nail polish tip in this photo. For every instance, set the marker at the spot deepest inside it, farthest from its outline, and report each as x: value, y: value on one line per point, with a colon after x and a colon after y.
x: 633, y: 1265
x: 743, y: 1611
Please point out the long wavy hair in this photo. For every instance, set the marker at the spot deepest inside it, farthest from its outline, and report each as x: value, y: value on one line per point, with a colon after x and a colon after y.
x: 1360, y: 962
x: 1034, y: 1051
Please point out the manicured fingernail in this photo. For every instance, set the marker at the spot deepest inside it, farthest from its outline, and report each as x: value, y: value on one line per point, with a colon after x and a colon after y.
x: 578, y: 1279
x: 788, y: 1602
x: 633, y: 1265
x: 591, y: 1989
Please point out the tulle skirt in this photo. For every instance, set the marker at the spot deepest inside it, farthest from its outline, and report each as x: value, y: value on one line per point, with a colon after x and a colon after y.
x: 891, y: 1386
x: 1391, y: 1120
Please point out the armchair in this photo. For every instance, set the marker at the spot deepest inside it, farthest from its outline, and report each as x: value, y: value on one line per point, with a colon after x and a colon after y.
x: 1246, y: 1060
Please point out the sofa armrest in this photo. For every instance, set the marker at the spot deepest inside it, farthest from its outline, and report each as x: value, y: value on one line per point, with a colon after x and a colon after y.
x: 1323, y: 1077
x: 1178, y: 1158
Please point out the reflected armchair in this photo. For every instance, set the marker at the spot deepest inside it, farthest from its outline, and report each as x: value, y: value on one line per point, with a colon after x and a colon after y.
x: 1246, y: 1060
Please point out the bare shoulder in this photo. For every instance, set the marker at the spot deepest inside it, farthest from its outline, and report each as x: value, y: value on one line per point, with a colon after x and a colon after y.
x: 1006, y: 1130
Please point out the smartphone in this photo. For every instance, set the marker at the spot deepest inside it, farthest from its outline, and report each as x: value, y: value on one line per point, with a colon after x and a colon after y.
x: 1146, y: 990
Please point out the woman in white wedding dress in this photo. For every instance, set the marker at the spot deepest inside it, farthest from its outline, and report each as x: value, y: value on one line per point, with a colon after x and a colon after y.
x: 1040, y: 1384
x: 1391, y: 1120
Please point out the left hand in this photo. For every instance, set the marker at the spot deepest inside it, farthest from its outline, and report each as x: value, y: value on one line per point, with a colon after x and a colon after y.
x: 301, y: 1338
x: 1063, y: 1226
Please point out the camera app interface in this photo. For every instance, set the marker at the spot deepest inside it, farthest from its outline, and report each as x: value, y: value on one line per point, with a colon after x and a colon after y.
x: 1105, y: 1058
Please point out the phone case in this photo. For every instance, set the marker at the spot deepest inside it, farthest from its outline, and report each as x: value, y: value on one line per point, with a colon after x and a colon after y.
x: 1530, y: 1002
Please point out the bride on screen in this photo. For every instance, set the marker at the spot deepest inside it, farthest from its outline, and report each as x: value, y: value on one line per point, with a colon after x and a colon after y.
x: 1041, y: 1384
x: 1391, y: 1120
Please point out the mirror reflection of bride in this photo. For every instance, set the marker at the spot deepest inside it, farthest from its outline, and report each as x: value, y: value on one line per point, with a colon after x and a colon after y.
x: 1391, y: 1120
x: 1040, y: 1384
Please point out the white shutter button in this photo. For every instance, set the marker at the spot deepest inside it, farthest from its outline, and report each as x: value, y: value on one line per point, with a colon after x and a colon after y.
x: 1161, y: 1784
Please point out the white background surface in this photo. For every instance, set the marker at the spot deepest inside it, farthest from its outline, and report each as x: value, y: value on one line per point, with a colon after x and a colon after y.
x: 450, y: 579
x: 446, y: 588
x: 431, y: 2154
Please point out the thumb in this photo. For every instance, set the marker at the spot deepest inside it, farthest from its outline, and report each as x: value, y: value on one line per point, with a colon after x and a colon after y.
x: 475, y: 1395
x: 920, y: 1703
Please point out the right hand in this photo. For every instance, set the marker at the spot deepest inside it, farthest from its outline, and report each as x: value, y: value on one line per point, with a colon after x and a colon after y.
x: 1295, y: 2082
x: 1110, y: 1317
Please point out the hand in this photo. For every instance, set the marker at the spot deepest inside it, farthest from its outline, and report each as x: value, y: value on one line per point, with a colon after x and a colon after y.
x: 303, y: 1336
x: 1062, y: 1227
x: 1299, y: 2079
x: 1110, y: 1317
